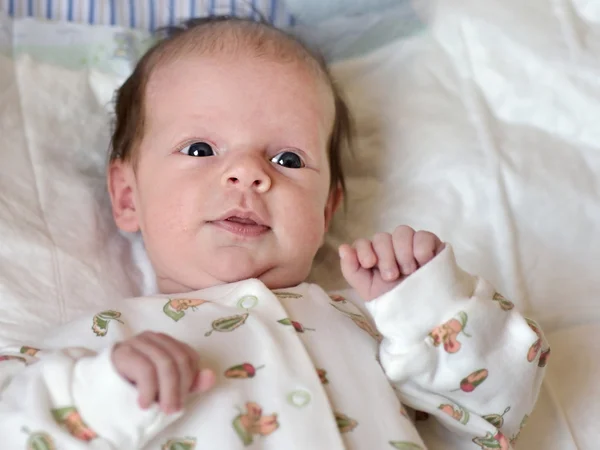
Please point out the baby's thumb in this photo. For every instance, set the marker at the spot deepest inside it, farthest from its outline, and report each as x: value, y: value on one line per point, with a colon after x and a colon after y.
x: 357, y: 276
x: 204, y: 381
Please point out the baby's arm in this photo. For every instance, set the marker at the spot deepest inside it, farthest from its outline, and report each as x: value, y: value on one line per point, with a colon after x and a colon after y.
x: 458, y: 350
x: 70, y: 396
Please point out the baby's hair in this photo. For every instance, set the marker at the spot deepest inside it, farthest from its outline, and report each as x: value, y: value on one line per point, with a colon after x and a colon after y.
x: 223, y: 35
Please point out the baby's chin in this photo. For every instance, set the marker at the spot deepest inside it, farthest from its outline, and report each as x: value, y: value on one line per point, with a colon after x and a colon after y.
x: 274, y: 276
x: 230, y: 267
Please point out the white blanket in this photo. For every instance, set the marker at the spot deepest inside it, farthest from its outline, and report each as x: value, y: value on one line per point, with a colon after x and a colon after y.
x: 487, y: 133
x: 484, y: 131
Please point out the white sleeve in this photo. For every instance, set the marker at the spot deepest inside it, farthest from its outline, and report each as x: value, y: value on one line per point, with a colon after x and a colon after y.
x: 456, y: 349
x: 71, y: 399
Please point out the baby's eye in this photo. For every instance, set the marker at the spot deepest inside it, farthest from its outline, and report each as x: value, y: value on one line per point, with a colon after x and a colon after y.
x: 289, y: 160
x: 198, y: 149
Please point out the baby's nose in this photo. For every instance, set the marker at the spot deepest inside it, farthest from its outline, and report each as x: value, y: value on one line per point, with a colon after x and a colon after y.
x: 248, y: 175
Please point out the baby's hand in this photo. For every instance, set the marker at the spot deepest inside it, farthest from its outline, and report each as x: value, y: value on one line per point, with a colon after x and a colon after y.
x: 163, y: 369
x: 375, y: 267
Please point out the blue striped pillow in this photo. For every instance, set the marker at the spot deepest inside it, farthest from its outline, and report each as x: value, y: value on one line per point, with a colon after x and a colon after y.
x: 143, y: 14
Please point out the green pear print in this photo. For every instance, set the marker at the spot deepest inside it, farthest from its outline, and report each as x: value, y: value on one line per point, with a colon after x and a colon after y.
x: 176, y: 308
x: 282, y: 295
x: 506, y: 305
x: 405, y: 445
x: 537, y: 345
x: 70, y: 419
x: 360, y: 321
x: 345, y: 423
x: 38, y: 440
x: 456, y: 412
x: 448, y: 332
x: 253, y: 423
x: 490, y: 442
x: 228, y: 324
x: 31, y: 351
x: 186, y: 443
x: 496, y: 419
x: 101, y: 321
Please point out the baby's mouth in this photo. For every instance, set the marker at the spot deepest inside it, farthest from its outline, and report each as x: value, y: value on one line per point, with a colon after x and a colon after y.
x: 241, y: 220
x: 241, y: 226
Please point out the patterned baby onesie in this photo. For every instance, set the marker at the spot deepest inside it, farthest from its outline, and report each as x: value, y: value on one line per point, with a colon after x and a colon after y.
x: 297, y: 369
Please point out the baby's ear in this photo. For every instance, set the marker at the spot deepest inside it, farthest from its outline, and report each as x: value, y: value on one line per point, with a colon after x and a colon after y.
x: 121, y: 184
x: 333, y: 202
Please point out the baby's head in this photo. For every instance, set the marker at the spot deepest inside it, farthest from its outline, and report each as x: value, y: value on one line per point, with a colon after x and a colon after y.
x: 226, y: 155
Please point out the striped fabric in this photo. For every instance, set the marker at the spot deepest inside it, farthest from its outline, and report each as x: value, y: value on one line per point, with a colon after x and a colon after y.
x: 143, y: 14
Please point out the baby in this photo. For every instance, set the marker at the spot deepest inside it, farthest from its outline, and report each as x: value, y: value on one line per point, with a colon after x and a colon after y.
x: 226, y: 156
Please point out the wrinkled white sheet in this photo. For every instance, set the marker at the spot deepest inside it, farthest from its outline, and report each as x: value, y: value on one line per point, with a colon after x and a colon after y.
x: 484, y: 131
x: 487, y: 133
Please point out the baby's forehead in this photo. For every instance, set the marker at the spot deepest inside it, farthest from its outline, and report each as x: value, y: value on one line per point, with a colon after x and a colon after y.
x: 200, y: 73
x: 236, y: 39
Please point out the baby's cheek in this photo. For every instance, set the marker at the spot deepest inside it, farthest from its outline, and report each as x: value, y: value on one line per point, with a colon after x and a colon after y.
x: 309, y: 226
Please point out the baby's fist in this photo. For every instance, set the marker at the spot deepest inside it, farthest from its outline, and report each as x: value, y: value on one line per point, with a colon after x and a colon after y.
x: 373, y: 267
x: 163, y: 369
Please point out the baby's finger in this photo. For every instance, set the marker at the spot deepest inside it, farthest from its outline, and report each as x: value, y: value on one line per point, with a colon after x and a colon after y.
x: 425, y: 246
x: 366, y: 255
x: 167, y: 373
x: 348, y: 260
x: 386, y: 258
x: 137, y: 369
x: 402, y: 238
x: 357, y: 276
x: 184, y: 356
x: 204, y: 380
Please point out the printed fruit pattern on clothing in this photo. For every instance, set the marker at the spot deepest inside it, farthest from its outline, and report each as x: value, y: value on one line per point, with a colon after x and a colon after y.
x: 505, y: 304
x: 359, y: 320
x: 70, y: 419
x: 176, y: 308
x: 456, y: 412
x: 282, y: 295
x: 38, y: 440
x: 322, y: 376
x: 491, y: 441
x: 337, y: 298
x: 186, y: 443
x: 537, y: 346
x: 244, y: 370
x: 101, y: 321
x: 497, y: 419
x: 513, y: 440
x: 297, y: 325
x: 252, y: 423
x: 470, y: 382
x: 404, y: 445
x: 345, y: 423
x: 29, y: 350
x: 12, y: 358
x: 448, y: 332
x: 228, y: 324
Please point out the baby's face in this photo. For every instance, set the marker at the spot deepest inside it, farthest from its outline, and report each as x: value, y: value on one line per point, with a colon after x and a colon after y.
x: 232, y: 180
